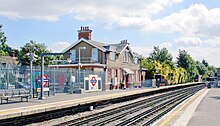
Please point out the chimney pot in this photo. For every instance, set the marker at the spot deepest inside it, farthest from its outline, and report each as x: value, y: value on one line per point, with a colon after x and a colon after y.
x: 124, y: 41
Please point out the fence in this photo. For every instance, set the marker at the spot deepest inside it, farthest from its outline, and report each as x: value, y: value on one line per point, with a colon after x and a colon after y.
x: 149, y: 83
x: 59, y: 78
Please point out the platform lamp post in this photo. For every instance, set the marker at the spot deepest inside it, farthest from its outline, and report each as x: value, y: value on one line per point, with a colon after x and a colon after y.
x: 42, y: 70
x: 79, y: 66
x: 32, y: 58
x: 0, y: 72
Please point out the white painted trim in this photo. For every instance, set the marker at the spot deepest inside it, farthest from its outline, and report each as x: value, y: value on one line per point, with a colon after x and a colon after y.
x: 129, y: 50
x: 77, y: 42
x: 69, y: 65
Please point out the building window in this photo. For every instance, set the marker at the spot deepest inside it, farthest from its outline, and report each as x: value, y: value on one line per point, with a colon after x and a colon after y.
x: 137, y: 76
x: 94, y: 54
x: 116, y: 72
x: 126, y: 56
x: 112, y: 56
x: 73, y: 56
x: 109, y: 74
x: 136, y: 60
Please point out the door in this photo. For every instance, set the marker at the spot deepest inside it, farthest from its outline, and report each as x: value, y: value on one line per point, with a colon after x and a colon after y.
x: 126, y: 80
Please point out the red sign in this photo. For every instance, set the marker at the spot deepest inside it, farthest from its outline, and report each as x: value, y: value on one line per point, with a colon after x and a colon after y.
x: 93, y: 81
x: 45, y: 80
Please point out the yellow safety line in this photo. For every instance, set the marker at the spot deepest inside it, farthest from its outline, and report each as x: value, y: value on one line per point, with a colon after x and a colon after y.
x: 175, y: 112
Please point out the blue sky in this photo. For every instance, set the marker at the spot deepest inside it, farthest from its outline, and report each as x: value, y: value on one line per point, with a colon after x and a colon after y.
x: 193, y: 25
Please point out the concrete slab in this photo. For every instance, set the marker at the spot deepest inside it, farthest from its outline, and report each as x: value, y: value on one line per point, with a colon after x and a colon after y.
x: 207, y: 112
x: 68, y: 100
x: 62, y: 101
x: 181, y: 114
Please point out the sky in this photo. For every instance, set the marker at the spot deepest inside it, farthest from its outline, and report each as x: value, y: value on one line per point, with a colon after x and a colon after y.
x: 191, y: 25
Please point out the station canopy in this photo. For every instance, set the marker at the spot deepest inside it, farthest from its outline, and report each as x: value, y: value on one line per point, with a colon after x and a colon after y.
x: 128, y: 71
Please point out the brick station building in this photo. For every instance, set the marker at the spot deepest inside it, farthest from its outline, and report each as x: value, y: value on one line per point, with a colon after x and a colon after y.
x: 118, y: 61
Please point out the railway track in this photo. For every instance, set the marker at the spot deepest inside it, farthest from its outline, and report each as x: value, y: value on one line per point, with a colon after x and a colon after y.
x: 143, y: 112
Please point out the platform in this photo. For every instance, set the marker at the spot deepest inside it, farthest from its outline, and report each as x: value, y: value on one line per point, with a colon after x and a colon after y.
x: 201, y: 109
x: 61, y: 101
x: 207, y: 113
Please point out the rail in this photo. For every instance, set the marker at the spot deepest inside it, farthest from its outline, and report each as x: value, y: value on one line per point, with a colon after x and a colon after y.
x: 149, y: 100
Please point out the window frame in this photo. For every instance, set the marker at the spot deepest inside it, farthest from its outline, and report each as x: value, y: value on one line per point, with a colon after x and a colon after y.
x: 112, y: 56
x: 73, y: 55
x: 95, y: 55
x: 126, y: 56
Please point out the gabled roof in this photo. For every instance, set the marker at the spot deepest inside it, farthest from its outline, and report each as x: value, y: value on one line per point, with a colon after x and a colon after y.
x: 103, y: 47
x: 90, y: 42
x: 119, y: 47
x: 99, y: 44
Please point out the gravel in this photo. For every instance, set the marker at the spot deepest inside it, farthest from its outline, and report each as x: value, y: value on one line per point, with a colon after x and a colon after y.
x: 82, y: 114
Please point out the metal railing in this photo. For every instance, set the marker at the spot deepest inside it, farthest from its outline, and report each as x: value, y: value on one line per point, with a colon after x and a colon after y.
x: 59, y: 78
x: 82, y: 60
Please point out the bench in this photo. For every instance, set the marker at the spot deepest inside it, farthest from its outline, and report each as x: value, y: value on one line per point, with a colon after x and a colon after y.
x: 14, y: 93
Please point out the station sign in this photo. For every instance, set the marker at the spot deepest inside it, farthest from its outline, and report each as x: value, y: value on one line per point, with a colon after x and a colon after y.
x: 45, y: 80
x: 93, y: 82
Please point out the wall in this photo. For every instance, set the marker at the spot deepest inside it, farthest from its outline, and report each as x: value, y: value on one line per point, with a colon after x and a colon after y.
x: 119, y: 62
x: 86, y: 54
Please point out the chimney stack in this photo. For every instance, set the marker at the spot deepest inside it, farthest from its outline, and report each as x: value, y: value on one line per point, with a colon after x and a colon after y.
x: 125, y: 41
x: 85, y: 33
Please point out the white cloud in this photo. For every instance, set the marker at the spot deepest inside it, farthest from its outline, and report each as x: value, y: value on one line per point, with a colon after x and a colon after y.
x: 166, y: 45
x: 144, y: 51
x: 121, y: 12
x: 188, y: 41
x: 208, y: 53
x: 198, y: 48
x: 197, y: 26
x: 196, y: 20
x: 58, y: 46
x: 213, y: 42
x: 197, y: 52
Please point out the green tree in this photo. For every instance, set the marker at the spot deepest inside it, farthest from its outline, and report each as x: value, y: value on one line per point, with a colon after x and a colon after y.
x: 3, y: 45
x: 201, y: 68
x: 180, y: 75
x: 161, y: 55
x: 208, y: 69
x: 37, y: 49
x: 212, y: 70
x: 205, y: 63
x: 148, y: 64
x: 161, y: 59
x: 185, y: 61
x: 5, y: 50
